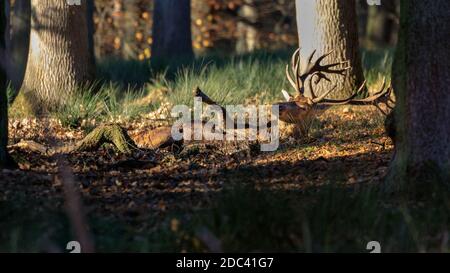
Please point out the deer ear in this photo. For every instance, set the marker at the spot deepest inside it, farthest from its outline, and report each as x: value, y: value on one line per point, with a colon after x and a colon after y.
x: 286, y: 95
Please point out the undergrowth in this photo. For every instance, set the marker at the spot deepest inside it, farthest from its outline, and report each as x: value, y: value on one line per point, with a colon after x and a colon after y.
x: 256, y: 78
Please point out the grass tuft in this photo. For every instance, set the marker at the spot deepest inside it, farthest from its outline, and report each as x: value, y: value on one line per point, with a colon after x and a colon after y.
x: 108, y: 104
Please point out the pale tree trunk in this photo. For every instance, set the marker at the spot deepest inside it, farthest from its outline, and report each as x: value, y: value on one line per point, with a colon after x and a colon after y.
x: 326, y: 25
x: 20, y: 41
x: 421, y: 80
x: 5, y: 160
x: 59, y: 60
x: 248, y: 36
x: 172, y: 29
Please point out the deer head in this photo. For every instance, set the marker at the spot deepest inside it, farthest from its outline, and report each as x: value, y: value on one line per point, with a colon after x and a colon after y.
x: 300, y: 108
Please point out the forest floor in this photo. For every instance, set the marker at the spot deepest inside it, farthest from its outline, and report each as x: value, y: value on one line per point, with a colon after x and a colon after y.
x: 320, y: 193
x: 219, y: 196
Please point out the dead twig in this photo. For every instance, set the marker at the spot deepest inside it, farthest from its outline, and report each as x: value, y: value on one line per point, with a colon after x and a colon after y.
x: 74, y: 206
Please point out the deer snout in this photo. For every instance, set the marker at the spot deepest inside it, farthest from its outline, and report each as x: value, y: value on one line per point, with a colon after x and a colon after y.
x: 291, y: 112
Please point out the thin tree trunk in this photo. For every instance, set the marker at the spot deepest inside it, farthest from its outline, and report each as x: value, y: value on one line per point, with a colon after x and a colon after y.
x: 59, y: 60
x: 248, y: 34
x: 172, y: 29
x: 362, y: 11
x: 421, y: 80
x: 326, y: 25
x: 382, y: 27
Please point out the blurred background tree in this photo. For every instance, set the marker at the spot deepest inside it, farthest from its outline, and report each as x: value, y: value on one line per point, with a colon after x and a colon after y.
x: 382, y: 24
x: 123, y: 28
x: 172, y: 36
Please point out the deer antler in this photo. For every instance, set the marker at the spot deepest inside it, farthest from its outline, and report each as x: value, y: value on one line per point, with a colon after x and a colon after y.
x: 381, y: 96
x: 300, y: 108
x: 312, y: 69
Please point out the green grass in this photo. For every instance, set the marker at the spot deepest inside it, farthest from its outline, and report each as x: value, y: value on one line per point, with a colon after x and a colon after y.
x: 240, y: 79
x: 123, y: 72
x: 10, y: 92
x: 258, y: 76
x: 377, y: 65
x: 110, y: 103
x: 332, y: 218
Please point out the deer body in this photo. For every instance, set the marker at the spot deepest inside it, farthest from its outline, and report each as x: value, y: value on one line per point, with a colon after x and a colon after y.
x: 300, y: 110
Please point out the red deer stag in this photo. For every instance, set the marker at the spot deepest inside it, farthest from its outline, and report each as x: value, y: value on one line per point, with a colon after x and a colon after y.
x: 300, y: 109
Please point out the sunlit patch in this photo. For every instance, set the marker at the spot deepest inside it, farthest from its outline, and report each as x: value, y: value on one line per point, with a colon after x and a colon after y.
x: 35, y: 44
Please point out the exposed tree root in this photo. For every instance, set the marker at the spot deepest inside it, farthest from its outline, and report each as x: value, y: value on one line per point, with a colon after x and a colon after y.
x: 112, y: 134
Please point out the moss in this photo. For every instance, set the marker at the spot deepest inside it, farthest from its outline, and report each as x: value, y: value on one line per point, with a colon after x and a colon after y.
x: 21, y: 107
x: 113, y: 134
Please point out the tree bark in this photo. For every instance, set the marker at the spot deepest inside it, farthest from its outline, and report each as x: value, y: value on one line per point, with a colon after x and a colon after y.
x: 7, y: 14
x: 59, y: 60
x: 90, y: 10
x: 326, y: 25
x: 20, y: 41
x: 3, y: 101
x: 172, y: 29
x: 421, y: 80
x: 5, y: 159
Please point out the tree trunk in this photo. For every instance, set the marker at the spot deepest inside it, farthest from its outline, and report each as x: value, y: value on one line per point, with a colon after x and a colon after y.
x: 5, y: 160
x: 421, y: 80
x: 59, y: 60
x: 7, y: 27
x: 172, y: 29
x: 248, y: 36
x: 362, y: 11
x: 326, y: 25
x: 20, y: 41
x: 90, y: 10
x: 3, y: 102
x: 382, y: 26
